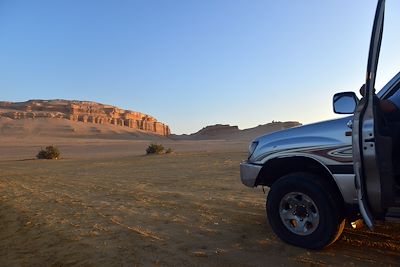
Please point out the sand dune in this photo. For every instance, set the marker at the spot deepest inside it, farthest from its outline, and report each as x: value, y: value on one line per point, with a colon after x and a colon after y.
x: 22, y: 138
x: 63, y: 128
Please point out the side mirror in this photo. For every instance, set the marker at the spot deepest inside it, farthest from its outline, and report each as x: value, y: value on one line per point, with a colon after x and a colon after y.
x: 345, y: 103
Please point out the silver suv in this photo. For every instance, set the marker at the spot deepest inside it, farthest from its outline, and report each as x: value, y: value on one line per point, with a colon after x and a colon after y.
x: 321, y: 175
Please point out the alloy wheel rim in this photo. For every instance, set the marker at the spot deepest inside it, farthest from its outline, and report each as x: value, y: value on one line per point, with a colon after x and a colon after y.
x: 299, y: 213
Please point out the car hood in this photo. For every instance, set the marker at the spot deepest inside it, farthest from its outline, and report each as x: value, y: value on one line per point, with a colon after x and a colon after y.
x: 321, y: 134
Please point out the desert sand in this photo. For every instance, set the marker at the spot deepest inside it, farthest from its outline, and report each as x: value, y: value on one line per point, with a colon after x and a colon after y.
x: 105, y: 203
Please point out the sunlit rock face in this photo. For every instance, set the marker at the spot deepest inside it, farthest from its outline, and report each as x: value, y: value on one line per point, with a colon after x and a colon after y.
x: 83, y: 111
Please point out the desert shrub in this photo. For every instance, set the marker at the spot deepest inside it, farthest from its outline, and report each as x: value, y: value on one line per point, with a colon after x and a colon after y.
x: 51, y: 152
x: 155, y: 149
x: 168, y: 151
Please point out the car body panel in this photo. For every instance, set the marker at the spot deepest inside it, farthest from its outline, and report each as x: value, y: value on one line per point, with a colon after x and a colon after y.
x: 324, y: 141
x: 249, y: 173
x: 368, y: 180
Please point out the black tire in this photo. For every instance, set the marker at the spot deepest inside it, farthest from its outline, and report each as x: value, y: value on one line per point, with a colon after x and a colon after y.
x: 328, y: 207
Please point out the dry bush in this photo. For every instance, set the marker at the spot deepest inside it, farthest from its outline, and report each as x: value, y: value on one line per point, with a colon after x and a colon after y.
x: 155, y: 149
x: 51, y: 152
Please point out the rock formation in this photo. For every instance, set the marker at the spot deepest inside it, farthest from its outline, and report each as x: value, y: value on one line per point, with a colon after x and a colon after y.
x: 83, y: 111
x: 228, y: 132
x: 218, y: 129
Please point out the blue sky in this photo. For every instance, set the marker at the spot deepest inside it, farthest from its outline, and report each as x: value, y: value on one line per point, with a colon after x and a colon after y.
x: 194, y: 63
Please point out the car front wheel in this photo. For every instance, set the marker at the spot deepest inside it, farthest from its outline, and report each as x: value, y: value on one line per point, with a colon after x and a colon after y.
x: 304, y: 210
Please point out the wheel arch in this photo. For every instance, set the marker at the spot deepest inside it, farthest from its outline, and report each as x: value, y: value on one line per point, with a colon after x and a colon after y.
x: 278, y: 167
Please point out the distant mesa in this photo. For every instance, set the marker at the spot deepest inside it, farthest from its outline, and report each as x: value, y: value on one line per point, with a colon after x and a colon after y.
x: 83, y: 111
x: 217, y: 129
x: 228, y: 132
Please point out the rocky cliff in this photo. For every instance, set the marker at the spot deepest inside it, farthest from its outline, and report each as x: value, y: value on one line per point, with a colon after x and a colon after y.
x: 83, y: 111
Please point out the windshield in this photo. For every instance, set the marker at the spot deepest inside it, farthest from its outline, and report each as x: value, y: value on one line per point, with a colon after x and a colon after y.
x: 390, y: 88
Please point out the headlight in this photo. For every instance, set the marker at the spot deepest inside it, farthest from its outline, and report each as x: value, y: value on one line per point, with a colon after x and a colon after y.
x: 252, y: 147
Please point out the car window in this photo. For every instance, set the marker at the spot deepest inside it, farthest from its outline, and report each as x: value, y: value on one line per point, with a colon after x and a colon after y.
x: 391, y: 88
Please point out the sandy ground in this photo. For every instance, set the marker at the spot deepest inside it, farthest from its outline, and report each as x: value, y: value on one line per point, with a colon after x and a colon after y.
x: 81, y: 148
x: 106, y: 204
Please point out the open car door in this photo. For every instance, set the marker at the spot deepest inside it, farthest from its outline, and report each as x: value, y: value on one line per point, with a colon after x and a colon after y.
x: 371, y: 147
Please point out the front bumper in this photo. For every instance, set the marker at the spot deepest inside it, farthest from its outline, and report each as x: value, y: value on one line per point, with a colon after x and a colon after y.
x: 249, y: 173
